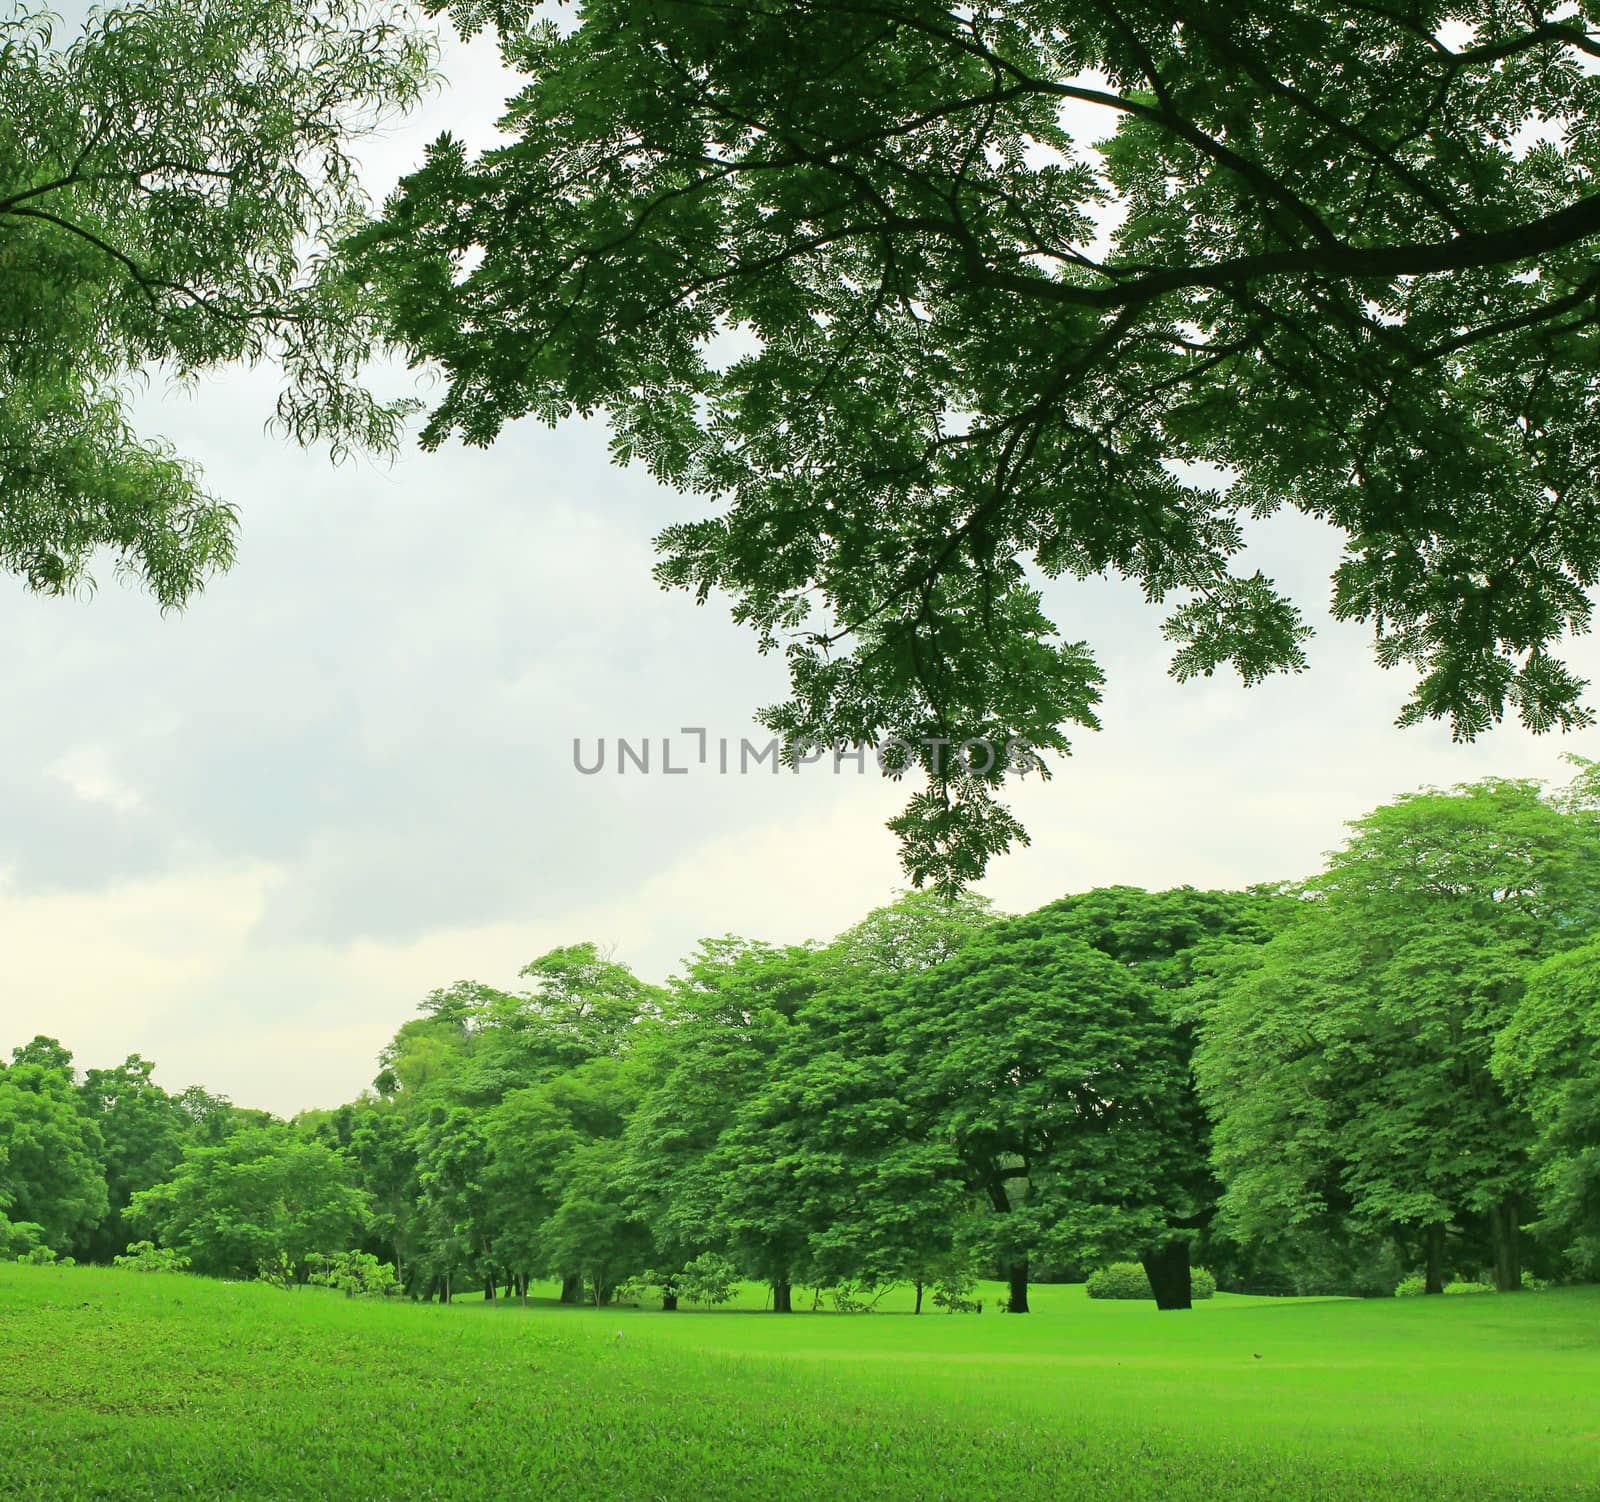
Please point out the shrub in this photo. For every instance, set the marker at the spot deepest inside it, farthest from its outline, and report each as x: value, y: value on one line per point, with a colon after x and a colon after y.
x: 633, y: 1290
x: 1411, y: 1287
x: 276, y: 1270
x: 147, y: 1257
x: 19, y: 1237
x: 1122, y: 1280
x: 1127, y: 1280
x: 850, y: 1298
x: 709, y: 1279
x: 953, y: 1293
x: 353, y: 1272
x: 1533, y: 1284
x: 40, y: 1256
x: 1464, y: 1287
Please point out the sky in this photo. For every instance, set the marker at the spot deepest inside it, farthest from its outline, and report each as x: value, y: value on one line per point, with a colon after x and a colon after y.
x: 246, y: 840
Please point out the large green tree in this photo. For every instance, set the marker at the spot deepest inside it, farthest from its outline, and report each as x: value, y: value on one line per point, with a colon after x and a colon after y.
x: 50, y: 1150
x: 260, y: 1195
x: 591, y: 1230
x: 858, y: 273
x: 728, y: 1015
x: 823, y: 1153
x: 1548, y: 1056
x: 142, y: 1133
x: 1054, y: 1077
x: 171, y: 182
x: 535, y: 1176
x: 1347, y: 1064
x: 1163, y: 937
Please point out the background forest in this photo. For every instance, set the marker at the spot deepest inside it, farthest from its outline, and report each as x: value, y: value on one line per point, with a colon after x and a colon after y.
x: 1389, y: 1071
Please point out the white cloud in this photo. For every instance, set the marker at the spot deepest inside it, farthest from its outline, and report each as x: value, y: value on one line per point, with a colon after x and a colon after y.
x: 86, y: 772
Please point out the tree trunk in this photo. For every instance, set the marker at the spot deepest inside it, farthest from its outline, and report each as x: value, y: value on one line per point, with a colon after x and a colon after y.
x: 1019, y: 1286
x: 669, y: 1302
x: 572, y: 1288
x: 488, y: 1288
x: 1433, y: 1258
x: 1507, y: 1245
x: 780, y: 1299
x: 1167, y: 1268
x: 918, y: 1309
x: 444, y: 1290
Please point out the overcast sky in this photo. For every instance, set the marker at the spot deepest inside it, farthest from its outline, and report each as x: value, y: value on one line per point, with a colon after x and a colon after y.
x: 246, y: 840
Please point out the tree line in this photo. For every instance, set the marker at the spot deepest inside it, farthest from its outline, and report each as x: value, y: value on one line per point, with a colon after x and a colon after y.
x: 1390, y: 1068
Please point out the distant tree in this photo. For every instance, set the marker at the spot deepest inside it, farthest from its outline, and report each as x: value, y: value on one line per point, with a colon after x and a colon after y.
x: 1548, y: 1058
x: 1347, y: 1063
x: 531, y: 1135
x: 829, y: 1162
x: 170, y: 184
x: 353, y: 1273
x: 590, y: 1230
x: 1350, y: 1088
x: 455, y: 1213
x: 262, y: 1197
x: 51, y: 1174
x: 213, y: 1118
x: 915, y: 931
x: 383, y: 1150
x: 595, y: 999
x: 147, y: 1257
x: 142, y: 1132
x: 453, y: 1073
x: 726, y: 1016
x: 1162, y: 937
x: 708, y: 1279
x: 867, y: 1196
x: 47, y: 1053
x: 1055, y: 1078
x: 474, y: 1043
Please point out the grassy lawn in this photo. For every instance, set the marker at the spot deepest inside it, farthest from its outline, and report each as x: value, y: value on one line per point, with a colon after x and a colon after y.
x: 124, y: 1385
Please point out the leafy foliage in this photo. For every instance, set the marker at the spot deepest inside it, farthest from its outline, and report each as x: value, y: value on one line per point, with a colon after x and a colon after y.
x: 858, y: 276
x: 147, y: 1257
x: 1128, y: 1280
x: 171, y: 184
x: 1395, y: 1059
x: 1549, y: 1058
x: 258, y: 1199
x: 353, y: 1273
x: 50, y: 1173
x: 708, y: 1279
x: 1348, y: 1063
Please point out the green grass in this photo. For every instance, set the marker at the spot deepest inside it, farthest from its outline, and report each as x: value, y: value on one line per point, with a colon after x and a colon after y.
x: 128, y: 1385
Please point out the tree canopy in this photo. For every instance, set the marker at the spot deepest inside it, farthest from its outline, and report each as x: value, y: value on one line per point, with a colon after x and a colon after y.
x: 1349, y: 1063
x: 933, y: 301
x: 171, y: 184
x: 1315, y: 1089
